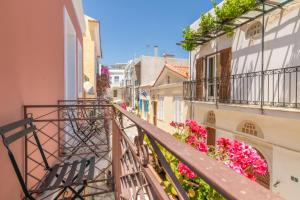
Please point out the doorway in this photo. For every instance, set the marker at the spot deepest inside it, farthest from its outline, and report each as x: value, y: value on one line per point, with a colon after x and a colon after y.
x: 211, y: 136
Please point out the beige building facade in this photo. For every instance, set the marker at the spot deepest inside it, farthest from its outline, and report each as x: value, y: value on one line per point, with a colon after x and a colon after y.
x: 167, y: 102
x: 92, y: 54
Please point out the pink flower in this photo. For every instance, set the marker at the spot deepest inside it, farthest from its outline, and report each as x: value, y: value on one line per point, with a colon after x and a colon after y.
x: 236, y: 155
x: 201, y: 146
x: 241, y: 157
x: 123, y: 105
x: 224, y: 142
x: 191, y: 140
x: 184, y: 170
x: 202, y: 132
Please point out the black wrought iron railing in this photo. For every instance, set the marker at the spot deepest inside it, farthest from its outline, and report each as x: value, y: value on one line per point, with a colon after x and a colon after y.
x: 276, y: 87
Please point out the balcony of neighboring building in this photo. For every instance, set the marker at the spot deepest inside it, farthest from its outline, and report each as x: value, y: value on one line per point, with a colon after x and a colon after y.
x: 270, y: 90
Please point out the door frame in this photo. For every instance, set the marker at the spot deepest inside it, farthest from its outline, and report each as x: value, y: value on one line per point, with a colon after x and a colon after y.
x: 70, y: 48
x: 214, y: 56
x: 154, y: 107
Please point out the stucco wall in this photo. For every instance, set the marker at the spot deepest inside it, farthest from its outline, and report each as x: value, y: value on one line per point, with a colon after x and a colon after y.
x: 280, y: 143
x: 152, y: 66
x: 89, y: 64
x: 32, y: 68
x: 169, y: 106
x: 281, y: 50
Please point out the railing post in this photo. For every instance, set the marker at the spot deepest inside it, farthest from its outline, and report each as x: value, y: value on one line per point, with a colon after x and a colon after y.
x: 116, y: 156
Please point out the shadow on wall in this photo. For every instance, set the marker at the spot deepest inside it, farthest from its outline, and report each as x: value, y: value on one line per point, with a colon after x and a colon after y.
x: 282, y: 50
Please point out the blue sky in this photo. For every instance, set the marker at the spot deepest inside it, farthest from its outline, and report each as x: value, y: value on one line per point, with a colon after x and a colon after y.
x: 129, y: 26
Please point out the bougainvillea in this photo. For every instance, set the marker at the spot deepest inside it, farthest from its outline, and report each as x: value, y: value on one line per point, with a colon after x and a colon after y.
x: 105, y: 71
x: 103, y: 81
x: 237, y: 155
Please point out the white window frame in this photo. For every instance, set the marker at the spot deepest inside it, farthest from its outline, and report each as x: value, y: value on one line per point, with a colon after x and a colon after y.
x: 213, y: 83
x: 160, y: 113
x: 178, y: 107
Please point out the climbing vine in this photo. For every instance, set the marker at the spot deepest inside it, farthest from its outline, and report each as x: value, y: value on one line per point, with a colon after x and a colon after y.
x: 223, y: 20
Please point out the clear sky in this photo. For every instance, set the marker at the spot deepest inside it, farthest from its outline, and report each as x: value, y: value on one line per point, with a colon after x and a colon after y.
x: 129, y: 27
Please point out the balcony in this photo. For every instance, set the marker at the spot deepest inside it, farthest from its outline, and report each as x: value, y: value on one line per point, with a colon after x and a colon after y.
x: 270, y: 88
x: 73, y: 130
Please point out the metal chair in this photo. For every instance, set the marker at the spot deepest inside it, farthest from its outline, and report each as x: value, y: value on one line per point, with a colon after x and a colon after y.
x: 60, y: 177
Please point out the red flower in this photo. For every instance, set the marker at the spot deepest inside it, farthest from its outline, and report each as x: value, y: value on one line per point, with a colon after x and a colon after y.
x: 173, y: 123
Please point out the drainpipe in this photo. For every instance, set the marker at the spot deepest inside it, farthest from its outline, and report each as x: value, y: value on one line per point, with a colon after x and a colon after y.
x: 262, y: 57
x: 216, y: 86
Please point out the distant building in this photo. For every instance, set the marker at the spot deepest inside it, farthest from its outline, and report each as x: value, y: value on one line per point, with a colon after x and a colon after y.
x: 140, y: 76
x: 167, y: 102
x: 116, y: 78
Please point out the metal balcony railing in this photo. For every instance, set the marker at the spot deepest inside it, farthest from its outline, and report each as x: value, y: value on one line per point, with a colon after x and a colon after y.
x: 135, y: 178
x: 70, y: 131
x: 276, y: 88
x: 73, y: 130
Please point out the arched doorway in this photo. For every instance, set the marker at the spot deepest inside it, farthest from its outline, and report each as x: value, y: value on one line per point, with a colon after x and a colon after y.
x: 263, y: 180
x: 251, y: 128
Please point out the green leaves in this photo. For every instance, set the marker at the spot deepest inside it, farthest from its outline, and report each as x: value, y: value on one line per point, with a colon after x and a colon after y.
x: 207, y: 24
x: 189, y: 35
x: 225, y: 16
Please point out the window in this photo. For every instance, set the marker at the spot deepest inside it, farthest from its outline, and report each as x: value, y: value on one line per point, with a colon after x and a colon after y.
x: 211, y: 118
x: 210, y: 76
x: 254, y: 31
x: 116, y: 79
x: 250, y: 128
x: 146, y: 106
x: 115, y: 93
x: 178, y: 109
x: 160, y: 115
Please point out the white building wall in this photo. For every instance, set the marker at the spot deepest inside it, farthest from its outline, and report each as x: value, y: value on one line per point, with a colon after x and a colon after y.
x: 152, y: 66
x: 279, y: 145
x: 286, y: 164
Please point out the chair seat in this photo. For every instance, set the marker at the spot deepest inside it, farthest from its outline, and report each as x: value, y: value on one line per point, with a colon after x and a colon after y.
x: 68, y: 174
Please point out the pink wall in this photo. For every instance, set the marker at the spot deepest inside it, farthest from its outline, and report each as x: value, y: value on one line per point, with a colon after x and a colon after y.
x: 31, y: 67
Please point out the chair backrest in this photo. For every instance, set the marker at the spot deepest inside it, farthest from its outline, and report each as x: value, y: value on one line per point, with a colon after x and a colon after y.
x: 11, y: 133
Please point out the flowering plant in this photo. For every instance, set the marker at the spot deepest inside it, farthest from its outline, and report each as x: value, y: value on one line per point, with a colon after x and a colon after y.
x: 236, y: 155
x: 103, y: 81
x: 105, y: 71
